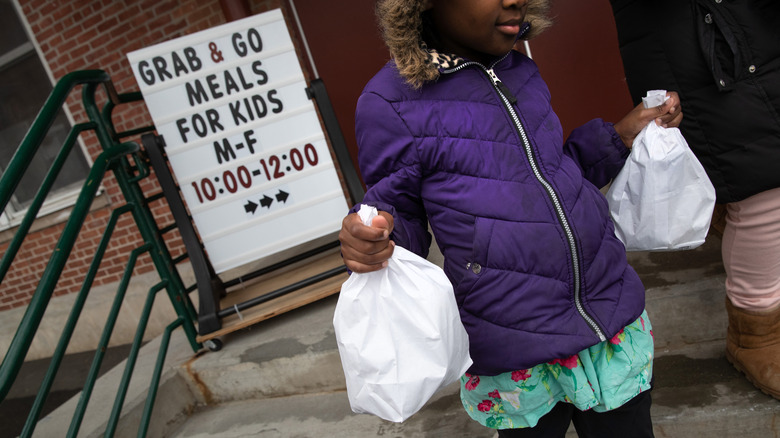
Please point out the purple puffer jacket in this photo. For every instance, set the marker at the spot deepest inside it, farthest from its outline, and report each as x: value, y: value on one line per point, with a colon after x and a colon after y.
x: 526, y: 235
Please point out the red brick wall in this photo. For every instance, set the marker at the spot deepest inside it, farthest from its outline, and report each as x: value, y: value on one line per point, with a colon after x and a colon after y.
x: 97, y: 34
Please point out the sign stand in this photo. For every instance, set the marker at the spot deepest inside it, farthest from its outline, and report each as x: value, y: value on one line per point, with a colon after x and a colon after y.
x: 210, y: 287
x: 270, y: 291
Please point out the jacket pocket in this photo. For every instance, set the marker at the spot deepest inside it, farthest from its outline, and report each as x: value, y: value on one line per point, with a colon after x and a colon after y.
x: 474, y: 267
x: 720, y: 45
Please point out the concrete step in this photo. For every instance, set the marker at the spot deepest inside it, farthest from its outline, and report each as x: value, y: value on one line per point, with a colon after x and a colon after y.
x: 693, y: 398
x: 283, y: 377
x: 697, y: 394
x: 328, y: 415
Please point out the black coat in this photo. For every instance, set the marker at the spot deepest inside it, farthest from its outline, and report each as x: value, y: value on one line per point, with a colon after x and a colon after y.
x: 723, y: 58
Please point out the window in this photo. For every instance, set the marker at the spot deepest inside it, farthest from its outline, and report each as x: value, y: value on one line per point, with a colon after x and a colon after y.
x: 24, y: 87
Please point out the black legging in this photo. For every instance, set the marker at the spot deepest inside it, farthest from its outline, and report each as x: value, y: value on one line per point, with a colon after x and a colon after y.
x: 632, y: 420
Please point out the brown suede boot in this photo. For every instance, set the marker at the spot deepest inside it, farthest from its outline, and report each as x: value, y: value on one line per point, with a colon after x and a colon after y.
x: 753, y: 346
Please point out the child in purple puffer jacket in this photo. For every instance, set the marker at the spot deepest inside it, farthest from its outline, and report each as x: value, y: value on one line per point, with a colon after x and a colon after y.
x: 457, y: 132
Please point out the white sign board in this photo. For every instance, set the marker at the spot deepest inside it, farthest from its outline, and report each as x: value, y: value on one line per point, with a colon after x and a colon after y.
x: 242, y: 137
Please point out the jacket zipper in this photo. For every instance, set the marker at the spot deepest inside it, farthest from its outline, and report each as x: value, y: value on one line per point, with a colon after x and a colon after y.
x: 508, y: 100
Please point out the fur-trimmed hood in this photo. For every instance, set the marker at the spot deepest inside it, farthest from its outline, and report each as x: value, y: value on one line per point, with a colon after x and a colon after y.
x: 404, y: 32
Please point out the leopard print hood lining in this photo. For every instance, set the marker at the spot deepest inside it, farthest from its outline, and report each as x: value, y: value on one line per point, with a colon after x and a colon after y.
x: 447, y: 61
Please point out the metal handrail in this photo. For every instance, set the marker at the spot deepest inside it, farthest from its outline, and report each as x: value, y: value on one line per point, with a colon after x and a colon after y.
x: 37, y: 132
x: 21, y: 342
x: 70, y: 325
x: 40, y: 197
x: 128, y: 173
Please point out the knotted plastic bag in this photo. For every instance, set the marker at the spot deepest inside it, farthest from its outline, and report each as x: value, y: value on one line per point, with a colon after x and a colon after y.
x: 399, y: 335
x: 662, y: 199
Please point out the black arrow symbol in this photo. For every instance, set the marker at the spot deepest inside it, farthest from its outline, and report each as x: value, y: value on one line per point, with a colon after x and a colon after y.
x: 266, y: 201
x: 282, y: 196
x: 250, y: 207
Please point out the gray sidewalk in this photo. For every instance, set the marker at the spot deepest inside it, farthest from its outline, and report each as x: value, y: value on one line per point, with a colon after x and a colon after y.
x: 283, y: 377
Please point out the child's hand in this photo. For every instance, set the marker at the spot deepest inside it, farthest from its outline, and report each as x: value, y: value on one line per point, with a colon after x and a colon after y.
x: 668, y: 115
x: 364, y: 248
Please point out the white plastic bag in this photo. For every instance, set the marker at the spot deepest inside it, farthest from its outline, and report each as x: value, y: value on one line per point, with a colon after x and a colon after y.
x: 399, y: 335
x: 662, y: 199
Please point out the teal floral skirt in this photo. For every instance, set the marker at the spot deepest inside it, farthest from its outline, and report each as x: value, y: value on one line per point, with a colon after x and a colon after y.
x: 602, y: 377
